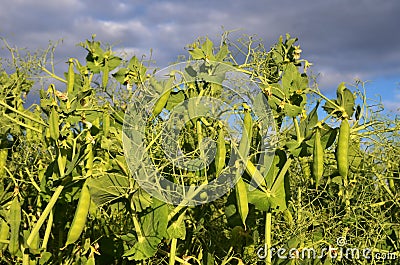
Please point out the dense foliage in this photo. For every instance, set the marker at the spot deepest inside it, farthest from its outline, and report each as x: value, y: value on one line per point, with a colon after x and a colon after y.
x: 67, y: 195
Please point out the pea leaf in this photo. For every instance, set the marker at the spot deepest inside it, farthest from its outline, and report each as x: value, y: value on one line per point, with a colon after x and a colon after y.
x: 108, y: 187
x: 153, y: 230
x: 196, y: 54
x: 177, y: 229
x: 174, y: 99
x: 222, y: 53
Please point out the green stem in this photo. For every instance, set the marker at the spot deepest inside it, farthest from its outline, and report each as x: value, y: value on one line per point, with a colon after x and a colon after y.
x: 25, y: 259
x: 268, y: 243
x: 138, y: 229
x: 48, y: 231
x: 325, y: 98
x: 53, y: 75
x: 23, y: 114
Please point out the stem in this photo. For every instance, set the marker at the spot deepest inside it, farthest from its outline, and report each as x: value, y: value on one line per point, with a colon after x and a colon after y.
x: 22, y: 124
x: 324, y: 97
x: 44, y: 215
x: 173, y: 251
x: 138, y: 229
x: 25, y: 259
x: 23, y: 114
x: 48, y: 231
x: 53, y: 75
x: 268, y: 244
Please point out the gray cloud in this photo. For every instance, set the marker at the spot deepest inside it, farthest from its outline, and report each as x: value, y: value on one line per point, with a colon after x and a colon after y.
x: 344, y: 39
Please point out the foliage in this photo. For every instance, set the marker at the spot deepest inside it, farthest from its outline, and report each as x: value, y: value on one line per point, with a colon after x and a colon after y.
x: 72, y: 140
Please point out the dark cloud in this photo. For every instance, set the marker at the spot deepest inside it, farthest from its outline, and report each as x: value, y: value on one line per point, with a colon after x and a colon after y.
x: 344, y: 39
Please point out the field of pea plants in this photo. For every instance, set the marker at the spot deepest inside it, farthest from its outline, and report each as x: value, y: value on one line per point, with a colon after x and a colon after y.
x: 232, y: 155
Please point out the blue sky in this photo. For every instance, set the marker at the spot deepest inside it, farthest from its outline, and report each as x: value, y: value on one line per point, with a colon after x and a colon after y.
x: 343, y: 39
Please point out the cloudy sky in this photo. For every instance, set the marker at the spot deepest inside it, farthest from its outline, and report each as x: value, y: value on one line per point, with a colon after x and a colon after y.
x: 343, y: 39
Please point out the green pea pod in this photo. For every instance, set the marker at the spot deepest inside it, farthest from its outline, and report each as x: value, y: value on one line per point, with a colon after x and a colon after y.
x: 256, y: 175
x: 29, y: 132
x: 241, y: 199
x: 162, y: 101
x: 342, y: 150
x: 221, y: 152
x: 15, y: 222
x: 305, y: 166
x: 3, y: 161
x: 106, y: 123
x: 34, y: 246
x: 89, y: 160
x: 105, y: 74
x: 78, y: 224
x: 70, y: 77
x: 245, y: 141
x: 53, y: 124
x: 4, y: 231
x: 318, y: 158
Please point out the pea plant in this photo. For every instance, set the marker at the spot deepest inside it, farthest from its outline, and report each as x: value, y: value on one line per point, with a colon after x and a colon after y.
x: 72, y: 192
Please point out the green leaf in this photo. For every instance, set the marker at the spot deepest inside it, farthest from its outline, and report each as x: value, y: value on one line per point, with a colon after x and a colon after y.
x: 309, y: 123
x: 141, y: 200
x: 346, y: 100
x: 134, y: 63
x: 154, y: 229
x: 108, y: 187
x: 288, y: 76
x: 329, y: 107
x: 174, y: 99
x: 292, y: 110
x: 114, y: 62
x: 222, y: 53
x: 278, y: 185
x: 259, y: 199
x: 177, y: 229
x: 120, y: 75
x: 197, y: 54
x: 207, y: 48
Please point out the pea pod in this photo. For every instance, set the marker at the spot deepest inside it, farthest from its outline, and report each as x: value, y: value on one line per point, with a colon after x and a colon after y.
x: 78, y: 224
x: 89, y: 159
x: 256, y: 175
x: 342, y: 150
x: 3, y: 161
x: 15, y: 222
x: 242, y: 201
x: 53, y: 124
x: 4, y: 231
x: 70, y: 77
x: 34, y: 246
x: 162, y: 101
x: 28, y: 131
x: 318, y: 157
x: 245, y: 141
x: 105, y: 73
x: 305, y: 166
x: 106, y: 123
x: 221, y: 152
x: 248, y: 123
